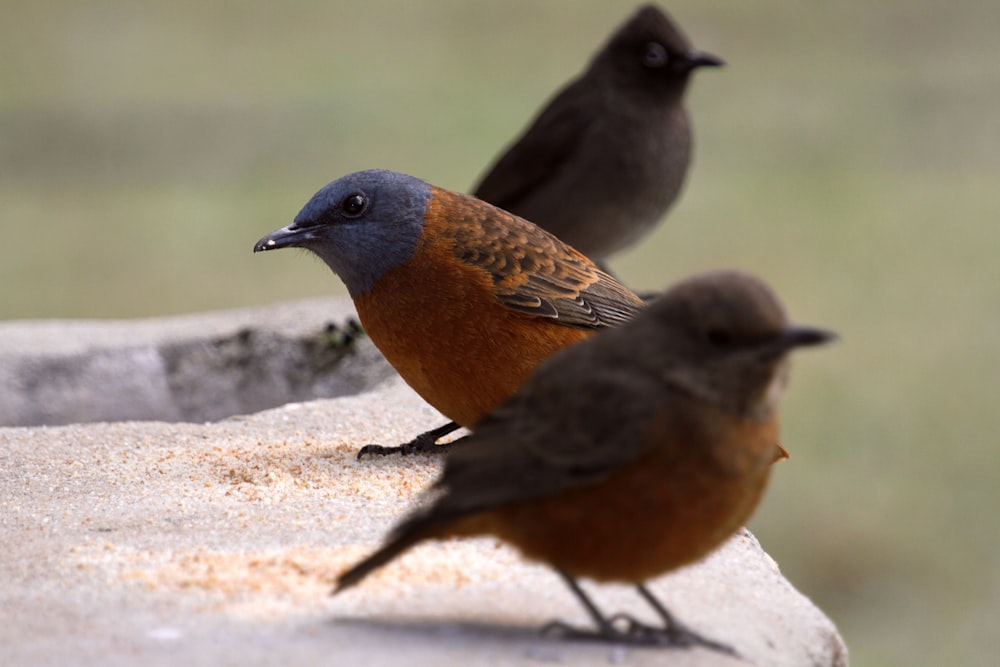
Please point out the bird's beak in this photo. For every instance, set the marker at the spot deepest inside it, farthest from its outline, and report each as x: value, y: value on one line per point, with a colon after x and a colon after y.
x: 286, y: 237
x: 791, y: 337
x: 803, y: 336
x: 696, y: 59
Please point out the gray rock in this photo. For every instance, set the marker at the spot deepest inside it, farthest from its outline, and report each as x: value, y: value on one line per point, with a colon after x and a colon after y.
x: 189, y: 368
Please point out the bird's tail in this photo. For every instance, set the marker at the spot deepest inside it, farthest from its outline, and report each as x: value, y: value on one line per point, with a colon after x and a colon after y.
x: 402, y: 538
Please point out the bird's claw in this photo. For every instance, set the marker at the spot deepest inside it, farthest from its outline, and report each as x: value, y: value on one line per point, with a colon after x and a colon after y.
x: 624, y: 629
x: 562, y: 630
x: 422, y: 444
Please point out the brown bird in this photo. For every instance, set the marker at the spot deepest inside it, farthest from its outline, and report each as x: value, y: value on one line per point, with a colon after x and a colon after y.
x: 630, y: 454
x: 604, y: 160
x: 462, y: 298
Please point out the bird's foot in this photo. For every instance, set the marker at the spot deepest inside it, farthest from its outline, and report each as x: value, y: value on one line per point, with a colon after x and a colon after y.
x: 419, y: 445
x: 624, y: 629
x: 425, y: 443
x: 674, y: 634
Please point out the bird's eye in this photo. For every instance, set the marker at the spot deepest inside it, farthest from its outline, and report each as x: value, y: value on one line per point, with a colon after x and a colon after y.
x: 655, y: 55
x: 354, y: 204
x: 719, y: 337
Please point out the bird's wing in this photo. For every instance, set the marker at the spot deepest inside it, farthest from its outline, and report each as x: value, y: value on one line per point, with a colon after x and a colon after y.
x: 533, y: 271
x: 545, y: 440
x: 539, y: 154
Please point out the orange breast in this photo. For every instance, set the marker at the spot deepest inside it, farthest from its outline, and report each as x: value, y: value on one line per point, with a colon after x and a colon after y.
x: 438, y: 323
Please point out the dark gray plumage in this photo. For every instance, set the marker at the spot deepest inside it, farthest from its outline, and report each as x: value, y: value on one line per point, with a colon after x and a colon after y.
x: 605, y: 159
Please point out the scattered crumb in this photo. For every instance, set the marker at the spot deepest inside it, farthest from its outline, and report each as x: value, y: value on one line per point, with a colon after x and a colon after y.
x: 249, y: 583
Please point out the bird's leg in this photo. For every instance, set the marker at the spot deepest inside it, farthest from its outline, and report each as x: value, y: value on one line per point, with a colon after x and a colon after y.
x: 634, y: 632
x: 425, y: 443
x: 605, y: 629
x: 674, y: 631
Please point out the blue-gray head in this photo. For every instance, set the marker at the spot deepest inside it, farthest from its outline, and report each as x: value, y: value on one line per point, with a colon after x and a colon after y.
x: 361, y: 225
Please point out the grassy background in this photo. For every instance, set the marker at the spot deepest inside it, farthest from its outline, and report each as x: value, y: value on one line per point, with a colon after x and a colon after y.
x: 849, y: 154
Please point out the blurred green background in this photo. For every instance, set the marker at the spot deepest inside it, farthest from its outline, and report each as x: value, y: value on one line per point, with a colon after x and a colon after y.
x: 849, y: 153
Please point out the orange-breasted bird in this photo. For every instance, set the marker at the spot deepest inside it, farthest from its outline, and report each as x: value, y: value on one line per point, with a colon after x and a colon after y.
x: 463, y: 299
x: 604, y: 160
x: 630, y: 454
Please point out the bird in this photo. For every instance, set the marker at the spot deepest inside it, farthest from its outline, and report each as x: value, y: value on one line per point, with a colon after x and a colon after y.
x: 628, y: 455
x: 462, y: 298
x: 604, y: 160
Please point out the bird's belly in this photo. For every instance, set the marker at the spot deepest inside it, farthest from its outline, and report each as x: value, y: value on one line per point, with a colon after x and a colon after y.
x: 454, y: 343
x: 642, y: 521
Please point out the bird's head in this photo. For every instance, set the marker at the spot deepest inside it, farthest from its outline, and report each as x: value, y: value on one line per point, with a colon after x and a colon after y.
x: 650, y: 51
x: 361, y: 225
x: 726, y: 340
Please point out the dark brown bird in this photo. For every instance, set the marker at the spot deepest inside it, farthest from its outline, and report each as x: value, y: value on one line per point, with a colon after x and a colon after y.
x: 630, y: 454
x: 604, y: 160
x: 462, y: 298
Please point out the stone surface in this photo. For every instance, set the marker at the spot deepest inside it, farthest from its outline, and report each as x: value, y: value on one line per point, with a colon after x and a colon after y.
x: 205, y: 544
x: 189, y: 368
